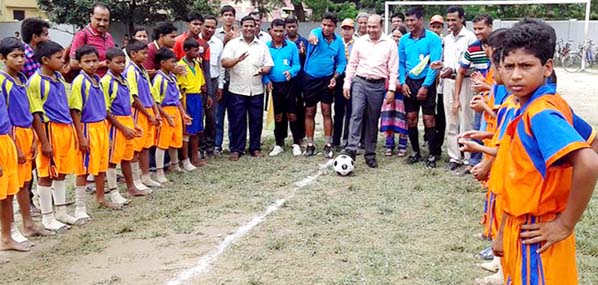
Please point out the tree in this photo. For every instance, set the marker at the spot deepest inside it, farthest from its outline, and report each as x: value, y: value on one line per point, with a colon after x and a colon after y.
x: 130, y: 12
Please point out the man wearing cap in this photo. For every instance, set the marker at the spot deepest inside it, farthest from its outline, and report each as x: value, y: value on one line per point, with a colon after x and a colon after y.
x: 373, y: 63
x: 455, y: 44
x: 437, y: 26
x: 362, y: 24
x: 342, y: 105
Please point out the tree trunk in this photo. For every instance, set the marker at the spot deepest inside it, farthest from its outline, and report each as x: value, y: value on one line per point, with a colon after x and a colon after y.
x: 299, y: 11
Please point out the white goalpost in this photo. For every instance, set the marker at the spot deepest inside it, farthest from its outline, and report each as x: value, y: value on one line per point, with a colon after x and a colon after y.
x: 587, y: 3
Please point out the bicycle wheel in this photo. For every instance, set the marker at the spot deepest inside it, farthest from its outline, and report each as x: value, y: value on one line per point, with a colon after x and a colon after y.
x: 572, y: 62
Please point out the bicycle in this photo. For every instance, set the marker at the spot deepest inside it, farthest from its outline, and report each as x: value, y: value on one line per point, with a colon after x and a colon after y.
x: 572, y: 62
x: 562, y: 49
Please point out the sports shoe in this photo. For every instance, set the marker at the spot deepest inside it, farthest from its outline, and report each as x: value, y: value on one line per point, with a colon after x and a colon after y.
x: 327, y: 151
x: 371, y: 162
x: 402, y: 152
x: 160, y: 177
x: 413, y: 159
x: 388, y: 152
x: 310, y: 150
x: 147, y: 181
x: 187, y: 166
x: 296, y: 150
x: 485, y: 254
x: 454, y: 166
x: 431, y: 161
x: 276, y: 150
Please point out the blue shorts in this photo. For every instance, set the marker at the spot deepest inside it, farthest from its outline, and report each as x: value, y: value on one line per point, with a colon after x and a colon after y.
x: 194, y: 105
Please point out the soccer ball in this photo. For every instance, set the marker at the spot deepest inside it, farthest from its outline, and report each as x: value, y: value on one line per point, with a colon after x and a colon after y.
x: 343, y: 165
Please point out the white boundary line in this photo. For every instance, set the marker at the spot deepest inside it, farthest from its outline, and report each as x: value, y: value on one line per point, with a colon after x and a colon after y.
x: 206, y: 261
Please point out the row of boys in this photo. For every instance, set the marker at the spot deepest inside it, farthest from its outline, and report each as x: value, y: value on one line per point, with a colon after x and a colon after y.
x: 102, y: 123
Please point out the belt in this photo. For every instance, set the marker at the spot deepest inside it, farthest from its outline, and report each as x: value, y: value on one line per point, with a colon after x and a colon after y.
x: 371, y: 80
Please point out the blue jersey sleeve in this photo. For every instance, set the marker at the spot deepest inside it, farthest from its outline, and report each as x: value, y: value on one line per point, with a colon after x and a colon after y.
x: 555, y: 137
x: 435, y: 55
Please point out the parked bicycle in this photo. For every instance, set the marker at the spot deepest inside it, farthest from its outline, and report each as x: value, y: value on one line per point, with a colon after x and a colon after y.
x: 562, y: 49
x: 572, y: 61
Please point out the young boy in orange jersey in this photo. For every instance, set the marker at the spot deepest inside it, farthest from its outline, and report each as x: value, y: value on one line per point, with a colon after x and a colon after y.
x: 193, y: 87
x: 14, y: 92
x: 146, y: 113
x: 122, y: 128
x: 551, y: 177
x: 57, y: 150
x: 88, y: 110
x: 170, y: 133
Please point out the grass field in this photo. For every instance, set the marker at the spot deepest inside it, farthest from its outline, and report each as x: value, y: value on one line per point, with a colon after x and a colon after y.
x: 397, y: 224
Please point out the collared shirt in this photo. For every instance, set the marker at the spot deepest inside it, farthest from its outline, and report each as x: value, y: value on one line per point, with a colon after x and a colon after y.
x: 264, y: 37
x: 88, y: 98
x: 324, y: 59
x: 374, y: 60
x: 166, y: 86
x: 413, y: 51
x: 48, y: 97
x: 220, y: 33
x: 140, y: 85
x: 15, y: 95
x: 285, y: 58
x: 204, y: 47
x: 116, y: 90
x: 455, y: 47
x: 191, y: 82
x: 31, y: 65
x: 101, y: 41
x: 536, y: 183
x: 300, y: 40
x: 475, y: 57
x: 152, y: 48
x: 216, y: 69
x: 242, y: 78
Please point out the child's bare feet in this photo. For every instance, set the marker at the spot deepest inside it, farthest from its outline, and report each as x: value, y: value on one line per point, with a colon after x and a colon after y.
x: 109, y: 205
x: 137, y: 193
x: 36, y: 230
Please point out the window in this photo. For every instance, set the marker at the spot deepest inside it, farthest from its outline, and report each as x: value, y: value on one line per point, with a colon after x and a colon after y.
x: 18, y: 15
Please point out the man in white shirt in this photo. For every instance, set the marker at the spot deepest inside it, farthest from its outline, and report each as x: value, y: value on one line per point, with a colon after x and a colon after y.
x: 217, y: 86
x: 455, y: 45
x: 246, y: 59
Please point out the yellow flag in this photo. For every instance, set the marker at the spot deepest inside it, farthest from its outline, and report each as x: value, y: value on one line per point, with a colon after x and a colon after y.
x: 270, y: 112
x: 420, y: 66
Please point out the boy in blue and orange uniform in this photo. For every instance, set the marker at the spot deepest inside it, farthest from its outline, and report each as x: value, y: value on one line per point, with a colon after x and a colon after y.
x: 550, y: 178
x: 170, y: 134
x: 122, y: 127
x: 88, y: 110
x: 57, y: 150
x: 192, y: 85
x: 14, y: 91
x: 146, y: 113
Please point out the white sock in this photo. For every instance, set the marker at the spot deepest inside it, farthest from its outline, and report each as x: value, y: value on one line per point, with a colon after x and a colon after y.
x: 112, y: 180
x: 80, y: 203
x: 59, y: 192
x: 160, y: 158
x: 45, y: 203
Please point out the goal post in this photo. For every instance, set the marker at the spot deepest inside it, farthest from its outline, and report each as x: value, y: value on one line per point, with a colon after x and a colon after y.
x: 587, y: 3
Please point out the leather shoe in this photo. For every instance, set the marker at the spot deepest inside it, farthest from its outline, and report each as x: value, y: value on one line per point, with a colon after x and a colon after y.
x: 234, y: 156
x: 257, y: 153
x: 371, y: 162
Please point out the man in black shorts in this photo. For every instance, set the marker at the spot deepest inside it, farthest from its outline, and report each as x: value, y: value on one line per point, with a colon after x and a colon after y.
x: 417, y: 50
x: 325, y: 62
x: 286, y: 67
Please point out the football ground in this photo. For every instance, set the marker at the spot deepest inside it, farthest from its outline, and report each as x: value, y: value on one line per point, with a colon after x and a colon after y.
x: 287, y: 220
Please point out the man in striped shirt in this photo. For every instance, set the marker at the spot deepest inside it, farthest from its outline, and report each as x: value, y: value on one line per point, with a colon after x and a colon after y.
x: 474, y: 58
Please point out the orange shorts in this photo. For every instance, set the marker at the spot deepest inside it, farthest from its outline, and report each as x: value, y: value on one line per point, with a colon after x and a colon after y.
x: 63, y: 139
x: 96, y: 159
x: 24, y: 138
x: 148, y: 138
x: 523, y: 266
x: 121, y: 148
x: 492, y: 215
x: 9, y: 181
x: 170, y: 136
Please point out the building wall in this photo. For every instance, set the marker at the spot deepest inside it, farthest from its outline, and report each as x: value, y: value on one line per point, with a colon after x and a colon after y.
x: 28, y: 6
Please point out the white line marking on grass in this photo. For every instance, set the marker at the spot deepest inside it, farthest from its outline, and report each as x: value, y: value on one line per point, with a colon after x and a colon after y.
x: 204, y: 263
